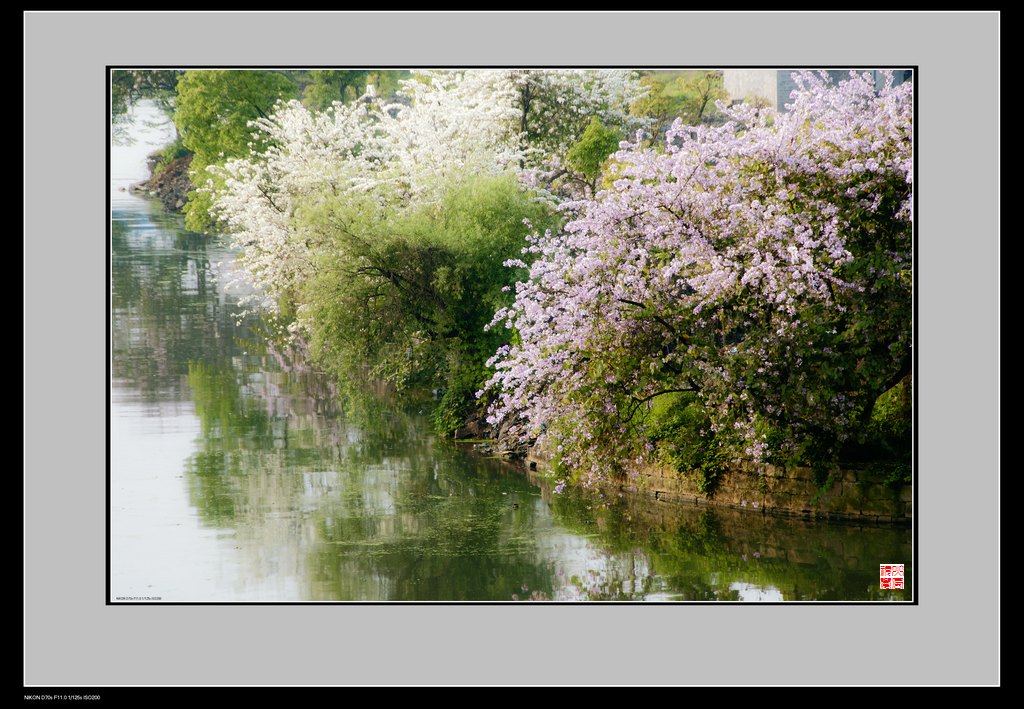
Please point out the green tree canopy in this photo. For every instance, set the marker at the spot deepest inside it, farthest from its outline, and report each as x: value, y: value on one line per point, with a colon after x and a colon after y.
x: 129, y: 86
x: 690, y: 96
x: 325, y: 86
x: 593, y: 148
x: 413, y: 290
x: 213, y: 111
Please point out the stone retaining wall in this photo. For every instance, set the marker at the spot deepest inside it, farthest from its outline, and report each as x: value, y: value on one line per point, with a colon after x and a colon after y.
x: 859, y: 496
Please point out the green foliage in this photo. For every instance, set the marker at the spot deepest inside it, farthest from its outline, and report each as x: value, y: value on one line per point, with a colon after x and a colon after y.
x: 215, y: 107
x: 129, y: 86
x: 168, y: 154
x: 222, y: 412
x: 412, y: 291
x: 689, y: 96
x: 697, y: 96
x: 884, y: 444
x: 325, y: 86
x: 891, y: 419
x: 593, y: 148
x: 888, y: 441
x: 681, y: 432
x: 464, y: 379
x: 213, y: 110
x: 657, y: 105
x: 894, y: 474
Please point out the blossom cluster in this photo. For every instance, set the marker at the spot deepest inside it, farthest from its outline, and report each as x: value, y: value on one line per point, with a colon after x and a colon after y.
x: 764, y: 265
x: 444, y: 125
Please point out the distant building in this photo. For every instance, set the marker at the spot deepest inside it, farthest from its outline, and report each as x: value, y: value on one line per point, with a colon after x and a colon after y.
x: 775, y: 85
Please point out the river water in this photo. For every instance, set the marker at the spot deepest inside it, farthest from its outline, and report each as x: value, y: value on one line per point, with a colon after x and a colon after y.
x: 238, y: 475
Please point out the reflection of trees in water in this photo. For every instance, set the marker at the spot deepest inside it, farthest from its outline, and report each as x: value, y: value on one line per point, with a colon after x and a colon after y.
x: 372, y: 511
x: 330, y: 482
x: 380, y: 511
x: 166, y: 308
x: 699, y: 553
x: 434, y: 530
x: 254, y: 425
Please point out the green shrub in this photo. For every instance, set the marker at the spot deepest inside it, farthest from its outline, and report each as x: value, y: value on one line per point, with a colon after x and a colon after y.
x: 168, y: 154
x: 411, y: 290
x: 593, y: 148
x: 681, y: 432
x: 888, y: 444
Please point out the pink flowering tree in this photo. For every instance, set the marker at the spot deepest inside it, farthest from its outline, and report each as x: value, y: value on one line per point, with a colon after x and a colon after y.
x: 753, y: 280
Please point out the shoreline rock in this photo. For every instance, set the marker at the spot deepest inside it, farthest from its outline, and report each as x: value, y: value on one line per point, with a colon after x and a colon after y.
x: 170, y: 185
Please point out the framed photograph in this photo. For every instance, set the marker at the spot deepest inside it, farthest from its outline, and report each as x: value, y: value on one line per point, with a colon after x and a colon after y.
x: 509, y: 344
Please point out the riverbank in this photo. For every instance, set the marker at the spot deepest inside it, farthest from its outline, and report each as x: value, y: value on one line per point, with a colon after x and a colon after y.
x: 781, y: 546
x: 859, y: 496
x: 168, y: 183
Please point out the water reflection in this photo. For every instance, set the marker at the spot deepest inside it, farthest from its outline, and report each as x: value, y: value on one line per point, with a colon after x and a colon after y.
x: 238, y: 475
x: 166, y: 311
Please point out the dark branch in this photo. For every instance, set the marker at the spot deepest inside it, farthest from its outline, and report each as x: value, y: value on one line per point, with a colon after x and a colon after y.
x: 659, y: 393
x: 665, y: 323
x: 270, y: 199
